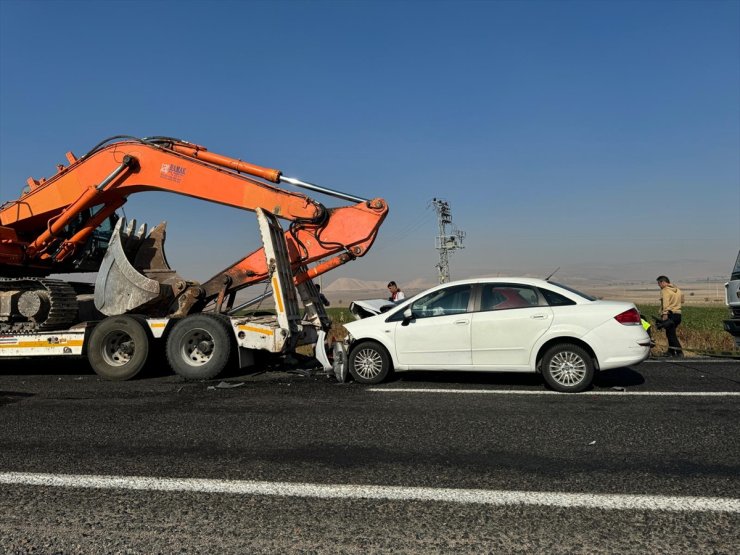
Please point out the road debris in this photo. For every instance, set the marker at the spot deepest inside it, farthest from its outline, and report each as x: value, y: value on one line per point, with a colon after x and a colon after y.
x: 227, y: 385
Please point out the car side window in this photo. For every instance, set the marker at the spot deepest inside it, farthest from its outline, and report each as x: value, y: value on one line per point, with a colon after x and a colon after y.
x: 555, y: 299
x: 451, y: 300
x: 504, y: 297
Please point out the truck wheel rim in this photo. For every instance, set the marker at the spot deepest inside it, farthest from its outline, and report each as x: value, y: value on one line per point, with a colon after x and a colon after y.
x: 567, y: 368
x: 117, y: 348
x: 368, y: 363
x: 190, y: 350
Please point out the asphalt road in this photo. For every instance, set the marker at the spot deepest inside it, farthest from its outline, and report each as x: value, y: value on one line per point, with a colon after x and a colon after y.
x: 428, y: 463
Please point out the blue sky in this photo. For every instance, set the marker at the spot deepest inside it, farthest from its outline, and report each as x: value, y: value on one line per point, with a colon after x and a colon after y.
x: 602, y: 137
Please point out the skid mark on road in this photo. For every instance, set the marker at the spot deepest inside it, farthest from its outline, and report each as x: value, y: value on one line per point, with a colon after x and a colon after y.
x: 546, y: 392
x: 387, y: 493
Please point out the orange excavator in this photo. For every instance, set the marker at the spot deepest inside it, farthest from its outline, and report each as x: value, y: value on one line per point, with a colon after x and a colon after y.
x: 69, y: 223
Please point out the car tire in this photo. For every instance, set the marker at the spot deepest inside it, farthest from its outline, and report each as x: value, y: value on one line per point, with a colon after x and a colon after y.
x: 568, y: 368
x: 199, y: 346
x: 118, y: 348
x: 369, y: 363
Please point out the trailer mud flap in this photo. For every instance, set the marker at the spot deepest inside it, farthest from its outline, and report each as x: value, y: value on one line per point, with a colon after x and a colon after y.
x: 320, y: 351
x: 340, y: 364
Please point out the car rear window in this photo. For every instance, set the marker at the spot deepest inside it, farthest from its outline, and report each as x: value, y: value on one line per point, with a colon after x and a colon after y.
x: 574, y: 291
x: 555, y: 299
x: 505, y: 296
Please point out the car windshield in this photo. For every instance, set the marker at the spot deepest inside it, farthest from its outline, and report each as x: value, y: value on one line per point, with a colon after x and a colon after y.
x: 574, y: 291
x: 736, y: 270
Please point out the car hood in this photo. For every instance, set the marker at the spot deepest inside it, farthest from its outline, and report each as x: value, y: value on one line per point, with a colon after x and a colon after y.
x: 370, y: 307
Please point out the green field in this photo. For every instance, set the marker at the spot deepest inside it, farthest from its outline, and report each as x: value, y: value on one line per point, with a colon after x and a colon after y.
x: 701, y: 331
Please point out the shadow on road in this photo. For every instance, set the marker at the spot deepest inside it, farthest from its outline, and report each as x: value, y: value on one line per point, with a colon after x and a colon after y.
x: 618, y: 377
x: 473, y: 378
x: 39, y: 366
x: 157, y: 367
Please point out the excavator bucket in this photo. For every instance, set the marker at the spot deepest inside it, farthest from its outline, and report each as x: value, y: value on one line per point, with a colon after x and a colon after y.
x: 134, y: 275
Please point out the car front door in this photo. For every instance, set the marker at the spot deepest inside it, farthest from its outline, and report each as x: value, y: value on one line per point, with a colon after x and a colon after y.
x: 438, y: 334
x: 510, y: 321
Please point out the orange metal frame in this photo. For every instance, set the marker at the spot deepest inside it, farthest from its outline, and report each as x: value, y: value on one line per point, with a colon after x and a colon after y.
x: 34, y: 233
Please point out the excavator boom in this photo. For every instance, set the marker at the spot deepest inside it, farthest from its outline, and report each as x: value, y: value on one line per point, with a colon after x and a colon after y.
x: 66, y: 224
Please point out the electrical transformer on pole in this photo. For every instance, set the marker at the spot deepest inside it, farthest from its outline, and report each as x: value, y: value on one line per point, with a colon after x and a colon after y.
x: 446, y: 241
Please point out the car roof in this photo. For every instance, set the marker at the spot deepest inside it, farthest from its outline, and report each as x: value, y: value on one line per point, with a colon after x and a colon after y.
x: 508, y: 280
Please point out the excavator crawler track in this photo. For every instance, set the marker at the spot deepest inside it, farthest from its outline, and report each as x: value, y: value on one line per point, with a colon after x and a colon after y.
x: 62, y: 300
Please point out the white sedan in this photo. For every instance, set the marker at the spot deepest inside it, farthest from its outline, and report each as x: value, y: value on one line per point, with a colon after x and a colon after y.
x: 495, y: 324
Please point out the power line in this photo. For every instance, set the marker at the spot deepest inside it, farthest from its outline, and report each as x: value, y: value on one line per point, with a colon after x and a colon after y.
x: 404, y: 233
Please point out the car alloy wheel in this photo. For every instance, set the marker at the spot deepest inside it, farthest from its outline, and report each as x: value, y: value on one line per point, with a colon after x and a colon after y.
x: 568, y: 368
x: 369, y: 363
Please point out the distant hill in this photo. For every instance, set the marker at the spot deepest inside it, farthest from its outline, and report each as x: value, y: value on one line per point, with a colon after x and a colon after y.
x: 418, y: 284
x: 350, y: 284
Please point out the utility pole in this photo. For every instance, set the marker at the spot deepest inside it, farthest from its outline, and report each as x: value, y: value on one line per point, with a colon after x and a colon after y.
x: 446, y: 241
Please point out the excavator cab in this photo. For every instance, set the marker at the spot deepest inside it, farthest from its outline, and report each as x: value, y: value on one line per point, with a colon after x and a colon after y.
x: 92, y: 253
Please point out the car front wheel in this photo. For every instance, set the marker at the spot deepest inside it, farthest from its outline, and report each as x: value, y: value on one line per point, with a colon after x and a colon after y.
x: 369, y: 363
x: 567, y: 368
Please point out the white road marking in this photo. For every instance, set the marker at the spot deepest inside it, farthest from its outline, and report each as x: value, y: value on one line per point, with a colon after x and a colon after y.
x: 393, y: 493
x: 547, y: 392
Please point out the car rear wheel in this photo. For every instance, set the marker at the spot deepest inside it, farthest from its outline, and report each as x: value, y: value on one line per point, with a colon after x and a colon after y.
x: 568, y: 368
x: 369, y: 363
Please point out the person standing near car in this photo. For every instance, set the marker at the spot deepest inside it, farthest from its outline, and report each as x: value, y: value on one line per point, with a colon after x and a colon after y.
x: 671, y: 299
x: 396, y: 294
x: 323, y: 298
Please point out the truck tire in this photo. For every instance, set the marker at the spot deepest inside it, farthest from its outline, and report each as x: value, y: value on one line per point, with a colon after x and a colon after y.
x: 568, y: 368
x: 118, y: 348
x: 199, y: 346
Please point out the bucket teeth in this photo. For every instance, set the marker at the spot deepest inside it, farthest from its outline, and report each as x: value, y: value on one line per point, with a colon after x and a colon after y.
x: 131, y: 240
x: 134, y: 275
x: 150, y: 254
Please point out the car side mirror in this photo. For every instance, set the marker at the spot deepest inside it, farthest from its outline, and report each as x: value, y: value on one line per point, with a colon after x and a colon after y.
x: 407, y: 317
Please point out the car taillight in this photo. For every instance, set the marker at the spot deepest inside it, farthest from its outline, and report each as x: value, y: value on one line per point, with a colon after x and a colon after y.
x: 629, y: 317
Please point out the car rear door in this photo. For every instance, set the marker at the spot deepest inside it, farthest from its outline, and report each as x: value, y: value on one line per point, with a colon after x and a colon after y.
x: 438, y: 334
x: 510, y: 320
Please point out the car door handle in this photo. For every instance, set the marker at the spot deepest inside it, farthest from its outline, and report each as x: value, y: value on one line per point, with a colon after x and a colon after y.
x: 462, y: 321
x: 538, y: 316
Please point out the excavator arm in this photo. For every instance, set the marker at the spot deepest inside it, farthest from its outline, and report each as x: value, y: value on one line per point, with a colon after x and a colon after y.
x: 49, y: 229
